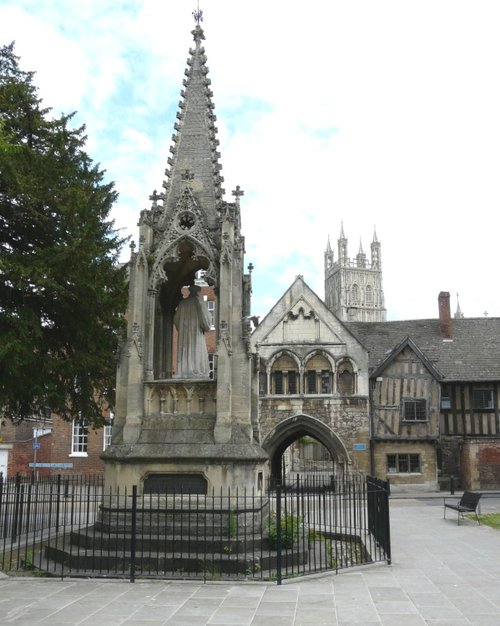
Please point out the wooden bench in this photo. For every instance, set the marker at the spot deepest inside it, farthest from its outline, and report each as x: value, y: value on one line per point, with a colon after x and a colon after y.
x: 468, y: 504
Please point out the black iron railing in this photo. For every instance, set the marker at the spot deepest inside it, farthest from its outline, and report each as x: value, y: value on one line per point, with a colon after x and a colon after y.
x: 79, y: 528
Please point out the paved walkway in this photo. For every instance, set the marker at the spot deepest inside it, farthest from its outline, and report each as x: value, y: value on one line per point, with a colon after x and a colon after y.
x: 442, y: 574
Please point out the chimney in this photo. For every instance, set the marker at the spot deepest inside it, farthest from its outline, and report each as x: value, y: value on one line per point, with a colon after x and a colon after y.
x: 445, y: 324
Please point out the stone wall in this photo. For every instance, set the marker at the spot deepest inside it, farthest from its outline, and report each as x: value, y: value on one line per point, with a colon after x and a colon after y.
x: 481, y: 464
x: 425, y: 480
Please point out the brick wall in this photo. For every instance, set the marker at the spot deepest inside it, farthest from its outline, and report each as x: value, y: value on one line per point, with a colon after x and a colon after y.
x: 61, y: 449
x: 480, y: 464
x: 55, y: 447
x: 489, y: 465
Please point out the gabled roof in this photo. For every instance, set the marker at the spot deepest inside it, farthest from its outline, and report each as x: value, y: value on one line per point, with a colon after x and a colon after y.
x: 299, y: 297
x: 392, y: 356
x: 473, y: 354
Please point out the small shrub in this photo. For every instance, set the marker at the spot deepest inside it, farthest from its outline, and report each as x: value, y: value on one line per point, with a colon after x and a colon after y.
x: 291, y: 526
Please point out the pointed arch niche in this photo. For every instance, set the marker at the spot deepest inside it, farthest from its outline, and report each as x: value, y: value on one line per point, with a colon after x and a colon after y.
x: 347, y: 379
x: 176, y: 268
x: 318, y: 373
x: 284, y: 374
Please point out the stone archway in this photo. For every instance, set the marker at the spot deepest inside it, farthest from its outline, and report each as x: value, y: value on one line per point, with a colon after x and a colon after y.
x: 291, y: 429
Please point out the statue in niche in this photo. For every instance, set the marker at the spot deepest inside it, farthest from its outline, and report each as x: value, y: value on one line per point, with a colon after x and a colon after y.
x: 192, y: 322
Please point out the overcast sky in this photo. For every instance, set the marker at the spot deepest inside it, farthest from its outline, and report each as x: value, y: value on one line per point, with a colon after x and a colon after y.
x: 374, y: 113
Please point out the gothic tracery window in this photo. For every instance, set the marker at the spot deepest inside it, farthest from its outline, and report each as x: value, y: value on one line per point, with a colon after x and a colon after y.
x: 369, y: 295
x: 345, y: 378
x: 355, y: 294
x: 284, y: 376
x: 318, y: 375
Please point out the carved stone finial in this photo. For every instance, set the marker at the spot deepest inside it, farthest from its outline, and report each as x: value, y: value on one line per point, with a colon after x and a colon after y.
x: 238, y: 192
x: 250, y: 267
x: 198, y: 15
x: 198, y: 34
x: 154, y: 197
x: 187, y: 175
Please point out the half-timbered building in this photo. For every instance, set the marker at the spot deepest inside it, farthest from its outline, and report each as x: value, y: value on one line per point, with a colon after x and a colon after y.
x: 434, y: 399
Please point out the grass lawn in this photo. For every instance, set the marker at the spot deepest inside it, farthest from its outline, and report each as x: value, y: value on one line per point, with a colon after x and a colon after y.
x: 490, y: 519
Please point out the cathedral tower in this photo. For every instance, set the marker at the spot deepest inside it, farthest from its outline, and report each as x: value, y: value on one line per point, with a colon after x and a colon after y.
x: 176, y: 423
x: 353, y: 288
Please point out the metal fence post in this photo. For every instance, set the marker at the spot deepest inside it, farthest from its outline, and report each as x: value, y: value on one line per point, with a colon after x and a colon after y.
x: 15, y: 521
x: 133, y: 534
x: 387, y: 523
x: 58, y: 501
x: 278, y: 534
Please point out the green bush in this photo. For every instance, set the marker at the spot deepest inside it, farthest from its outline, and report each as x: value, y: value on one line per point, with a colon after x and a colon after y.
x: 291, y: 527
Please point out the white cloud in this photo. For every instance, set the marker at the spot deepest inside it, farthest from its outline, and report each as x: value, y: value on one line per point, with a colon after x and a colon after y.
x: 375, y: 113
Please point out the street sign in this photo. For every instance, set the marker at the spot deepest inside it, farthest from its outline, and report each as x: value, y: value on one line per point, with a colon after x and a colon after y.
x: 358, y: 447
x: 36, y: 446
x: 52, y: 465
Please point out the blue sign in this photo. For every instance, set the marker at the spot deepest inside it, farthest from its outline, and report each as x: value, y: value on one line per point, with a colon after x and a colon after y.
x: 36, y: 446
x: 52, y: 465
x: 358, y: 447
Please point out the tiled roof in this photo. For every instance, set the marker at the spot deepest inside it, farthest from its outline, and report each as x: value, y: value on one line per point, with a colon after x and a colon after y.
x: 472, y: 355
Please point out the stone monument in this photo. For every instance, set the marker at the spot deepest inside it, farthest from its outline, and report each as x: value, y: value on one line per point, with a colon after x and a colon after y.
x: 175, y: 426
x: 191, y: 321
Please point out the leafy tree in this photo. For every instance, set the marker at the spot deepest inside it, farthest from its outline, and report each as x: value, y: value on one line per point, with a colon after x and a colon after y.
x: 62, y: 294
x: 5, y: 145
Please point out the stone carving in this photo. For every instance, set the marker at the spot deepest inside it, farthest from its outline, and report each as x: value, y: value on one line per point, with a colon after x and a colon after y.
x: 191, y: 320
x: 135, y: 341
x: 226, y: 256
x: 225, y: 337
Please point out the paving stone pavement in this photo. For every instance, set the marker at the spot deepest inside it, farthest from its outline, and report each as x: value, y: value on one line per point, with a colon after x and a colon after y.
x: 442, y: 574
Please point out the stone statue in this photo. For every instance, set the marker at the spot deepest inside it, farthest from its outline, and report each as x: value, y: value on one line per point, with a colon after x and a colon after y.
x: 192, y: 321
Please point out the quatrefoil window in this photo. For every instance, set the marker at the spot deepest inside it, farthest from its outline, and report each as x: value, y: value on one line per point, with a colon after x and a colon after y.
x: 186, y: 221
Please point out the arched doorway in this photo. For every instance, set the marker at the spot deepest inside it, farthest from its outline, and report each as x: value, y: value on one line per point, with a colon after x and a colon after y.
x: 295, y: 428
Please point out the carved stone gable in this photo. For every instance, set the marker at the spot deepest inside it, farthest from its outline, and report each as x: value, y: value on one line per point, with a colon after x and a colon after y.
x: 184, y: 224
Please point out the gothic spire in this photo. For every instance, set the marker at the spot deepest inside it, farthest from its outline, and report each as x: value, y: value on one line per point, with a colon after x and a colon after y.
x: 458, y: 315
x: 342, y: 236
x: 195, y: 160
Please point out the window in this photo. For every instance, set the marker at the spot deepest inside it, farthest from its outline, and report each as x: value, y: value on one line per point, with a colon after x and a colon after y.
x: 345, y: 378
x: 325, y: 381
x: 355, y: 294
x: 284, y: 376
x: 319, y: 377
x: 369, y: 295
x: 106, y: 436
x: 415, y: 410
x: 79, y: 437
x: 211, y: 365
x: 311, y: 381
x: 445, y: 396
x: 211, y: 313
x: 403, y: 463
x: 278, y: 382
x: 482, y: 398
x: 285, y: 382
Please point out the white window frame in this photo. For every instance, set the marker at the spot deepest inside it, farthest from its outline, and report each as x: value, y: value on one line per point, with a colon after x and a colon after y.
x: 79, y: 438
x: 211, y: 313
x: 106, y: 436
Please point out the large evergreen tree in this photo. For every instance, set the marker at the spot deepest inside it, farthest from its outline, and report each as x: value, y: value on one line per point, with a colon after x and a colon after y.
x: 62, y: 296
